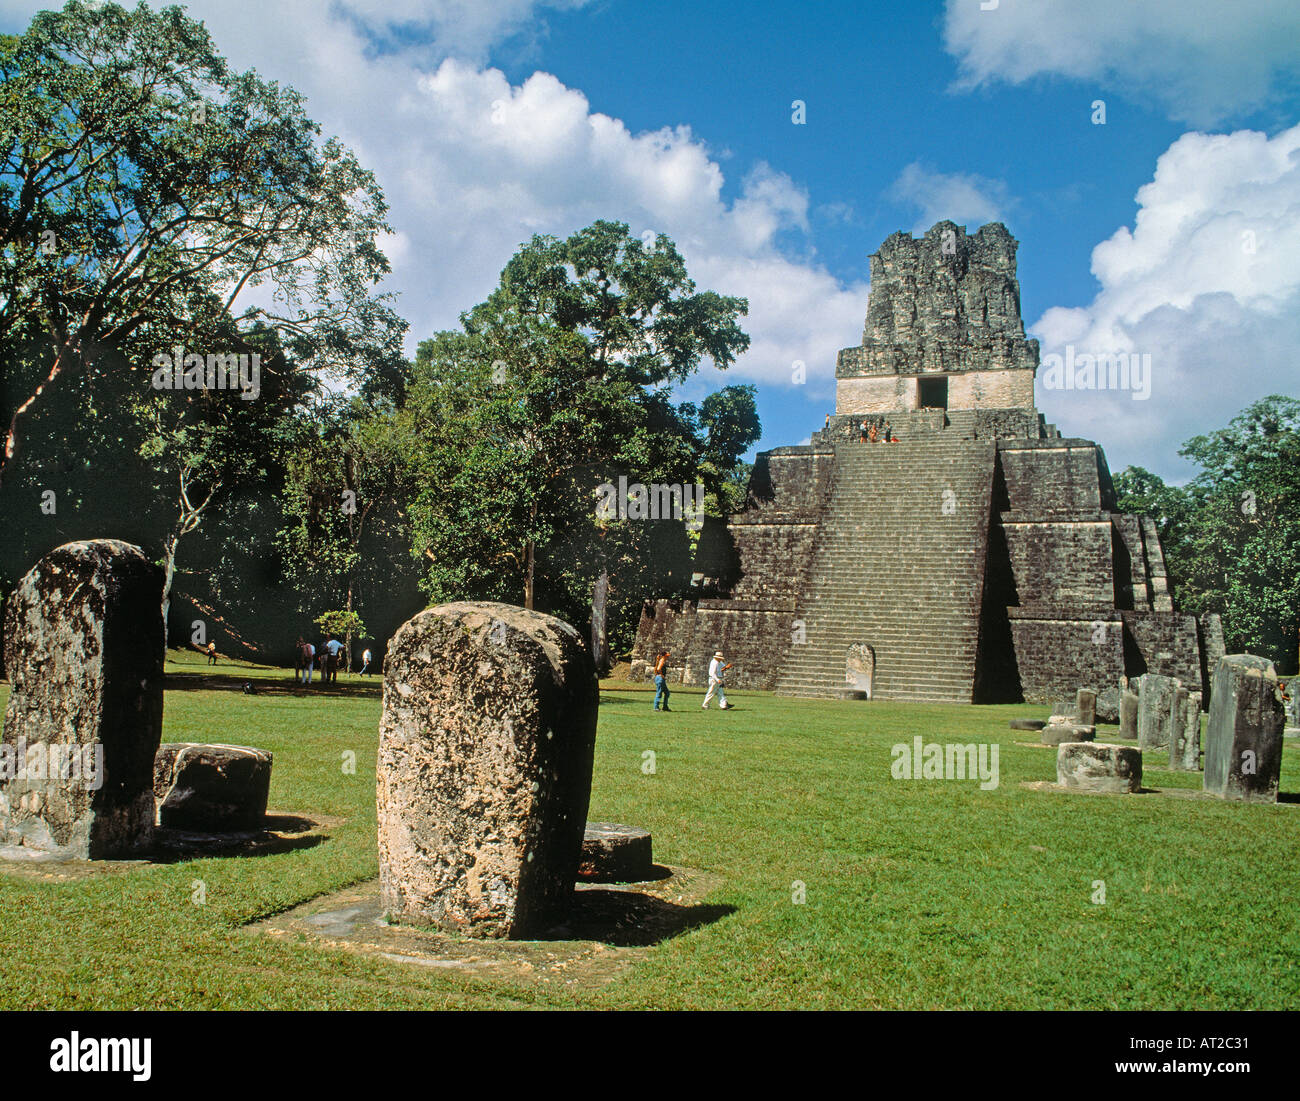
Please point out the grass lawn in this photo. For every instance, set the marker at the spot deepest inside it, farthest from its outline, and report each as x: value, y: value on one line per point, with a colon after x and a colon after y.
x: 919, y: 894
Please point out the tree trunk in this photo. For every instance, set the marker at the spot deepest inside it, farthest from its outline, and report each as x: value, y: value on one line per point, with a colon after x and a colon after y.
x: 599, y: 634
x: 347, y: 635
x: 169, y: 572
x: 529, y: 576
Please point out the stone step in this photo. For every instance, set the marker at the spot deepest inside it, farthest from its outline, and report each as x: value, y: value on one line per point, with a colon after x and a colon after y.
x: 885, y: 544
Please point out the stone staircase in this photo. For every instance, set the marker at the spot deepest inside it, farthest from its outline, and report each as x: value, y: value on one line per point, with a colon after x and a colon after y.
x: 900, y: 567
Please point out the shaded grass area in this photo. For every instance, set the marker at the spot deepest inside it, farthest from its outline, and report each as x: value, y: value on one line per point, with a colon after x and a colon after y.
x: 919, y: 894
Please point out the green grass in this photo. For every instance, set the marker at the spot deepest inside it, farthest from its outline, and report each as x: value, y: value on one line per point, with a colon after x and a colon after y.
x: 921, y: 894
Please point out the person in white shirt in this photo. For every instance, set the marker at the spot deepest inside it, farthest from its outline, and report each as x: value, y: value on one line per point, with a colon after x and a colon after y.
x: 365, y: 661
x: 716, y: 671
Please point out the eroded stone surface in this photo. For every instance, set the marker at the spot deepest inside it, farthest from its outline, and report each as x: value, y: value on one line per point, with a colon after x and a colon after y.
x: 1085, y: 707
x: 1155, y: 708
x: 1067, y: 732
x: 1128, y: 715
x: 485, y: 759
x: 1185, y: 731
x: 1243, y: 737
x: 84, y: 653
x: 211, y: 786
x: 1099, y: 766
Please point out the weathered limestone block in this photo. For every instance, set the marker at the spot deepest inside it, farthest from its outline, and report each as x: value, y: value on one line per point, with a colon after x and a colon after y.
x: 211, y: 787
x: 1155, y: 706
x: 485, y: 758
x: 1062, y: 714
x: 1128, y: 715
x: 1099, y: 766
x: 1108, y: 702
x: 1243, y: 738
x: 1072, y: 732
x: 1085, y: 707
x: 1185, y: 731
x: 84, y: 652
x: 613, y: 853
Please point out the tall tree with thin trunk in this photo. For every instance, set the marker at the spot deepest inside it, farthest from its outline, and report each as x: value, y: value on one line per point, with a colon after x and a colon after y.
x: 145, y: 188
x: 556, y: 383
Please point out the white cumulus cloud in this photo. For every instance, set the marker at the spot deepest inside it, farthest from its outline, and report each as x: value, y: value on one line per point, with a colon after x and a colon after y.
x: 1202, y: 63
x: 1206, y: 282
x: 964, y: 198
x: 473, y: 165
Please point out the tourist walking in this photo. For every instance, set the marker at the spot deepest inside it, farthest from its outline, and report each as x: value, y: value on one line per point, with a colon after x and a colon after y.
x: 365, y: 661
x: 661, y: 681
x: 308, y: 652
x: 716, y: 672
x: 212, y: 653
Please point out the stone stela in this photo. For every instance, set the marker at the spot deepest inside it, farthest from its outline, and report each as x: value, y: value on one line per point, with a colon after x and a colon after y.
x: 84, y: 651
x: 975, y: 553
x: 486, y: 749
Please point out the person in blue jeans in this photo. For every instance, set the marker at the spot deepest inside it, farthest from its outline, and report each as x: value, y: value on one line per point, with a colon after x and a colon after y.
x: 661, y: 681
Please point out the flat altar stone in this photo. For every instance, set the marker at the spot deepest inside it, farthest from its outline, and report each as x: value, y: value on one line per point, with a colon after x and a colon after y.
x: 615, y: 853
x: 1099, y: 766
x: 1070, y: 732
x: 211, y: 787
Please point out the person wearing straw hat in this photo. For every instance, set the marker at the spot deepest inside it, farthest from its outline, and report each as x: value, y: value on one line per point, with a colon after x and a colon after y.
x: 716, y: 671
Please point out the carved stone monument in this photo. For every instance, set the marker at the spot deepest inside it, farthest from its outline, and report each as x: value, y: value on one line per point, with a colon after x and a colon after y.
x: 485, y: 758
x: 84, y: 650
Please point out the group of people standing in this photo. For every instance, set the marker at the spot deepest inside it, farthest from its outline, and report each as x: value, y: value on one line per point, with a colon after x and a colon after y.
x: 868, y: 432
x: 327, y: 657
x: 717, y: 673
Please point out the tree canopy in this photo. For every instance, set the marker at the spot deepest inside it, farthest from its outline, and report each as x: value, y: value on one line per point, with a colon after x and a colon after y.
x: 559, y: 382
x: 1232, y: 535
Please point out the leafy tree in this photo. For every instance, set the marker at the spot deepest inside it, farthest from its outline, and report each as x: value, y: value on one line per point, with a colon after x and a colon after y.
x: 146, y: 190
x: 1139, y: 491
x: 556, y: 384
x: 346, y: 535
x: 342, y: 622
x: 1243, y: 549
x: 1232, y: 535
x: 154, y: 203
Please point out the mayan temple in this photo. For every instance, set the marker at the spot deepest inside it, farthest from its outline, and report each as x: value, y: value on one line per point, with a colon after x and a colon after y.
x: 971, y: 555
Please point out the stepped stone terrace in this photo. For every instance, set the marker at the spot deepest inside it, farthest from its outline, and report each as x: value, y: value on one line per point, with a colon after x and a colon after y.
x: 966, y: 553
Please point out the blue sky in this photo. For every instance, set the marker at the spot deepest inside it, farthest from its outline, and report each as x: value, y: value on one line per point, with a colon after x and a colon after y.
x: 1172, y: 230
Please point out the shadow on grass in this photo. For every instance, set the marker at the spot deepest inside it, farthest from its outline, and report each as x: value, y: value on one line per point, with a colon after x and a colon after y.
x: 279, y: 833
x: 630, y: 919
x: 220, y: 682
